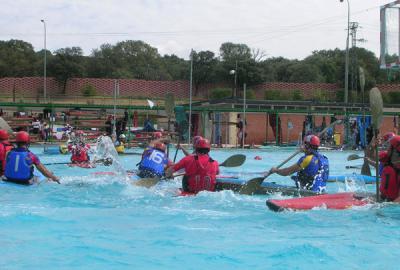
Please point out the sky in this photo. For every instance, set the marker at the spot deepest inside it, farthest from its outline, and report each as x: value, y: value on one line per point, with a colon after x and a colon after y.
x: 287, y: 28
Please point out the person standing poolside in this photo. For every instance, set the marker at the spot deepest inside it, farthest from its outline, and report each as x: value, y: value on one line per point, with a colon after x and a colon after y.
x: 200, y: 169
x: 312, y: 169
x: 5, y: 147
x: 21, y: 163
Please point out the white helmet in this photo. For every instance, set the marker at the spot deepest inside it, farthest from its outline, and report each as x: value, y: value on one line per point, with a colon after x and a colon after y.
x: 122, y: 136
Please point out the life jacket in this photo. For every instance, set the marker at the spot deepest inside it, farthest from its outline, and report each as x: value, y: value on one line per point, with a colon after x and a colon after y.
x: 317, y: 180
x: 389, y: 186
x: 19, y: 166
x: 203, y: 178
x: 79, y: 154
x: 154, y: 161
x: 7, y: 147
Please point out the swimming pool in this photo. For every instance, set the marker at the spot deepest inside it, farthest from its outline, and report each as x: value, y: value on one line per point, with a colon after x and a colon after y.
x: 101, y: 222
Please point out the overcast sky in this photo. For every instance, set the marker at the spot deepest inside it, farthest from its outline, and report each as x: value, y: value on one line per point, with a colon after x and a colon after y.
x: 288, y: 28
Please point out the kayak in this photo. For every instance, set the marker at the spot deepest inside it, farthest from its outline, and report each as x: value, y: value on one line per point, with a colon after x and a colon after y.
x: 332, y: 178
x: 267, y: 187
x: 337, y: 201
x: 352, y: 177
x: 39, y: 178
x: 85, y: 165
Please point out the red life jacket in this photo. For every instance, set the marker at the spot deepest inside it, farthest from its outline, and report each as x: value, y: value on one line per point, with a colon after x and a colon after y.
x: 79, y: 155
x: 389, y: 186
x: 202, y: 178
x: 7, y: 147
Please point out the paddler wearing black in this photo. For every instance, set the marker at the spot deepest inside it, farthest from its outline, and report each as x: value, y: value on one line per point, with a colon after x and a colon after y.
x: 312, y: 169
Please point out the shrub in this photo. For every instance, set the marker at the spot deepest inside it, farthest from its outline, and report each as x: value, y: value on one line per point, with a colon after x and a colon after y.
x: 320, y: 95
x: 297, y: 95
x: 218, y: 93
x: 250, y: 94
x: 394, y: 97
x: 272, y: 95
x: 88, y: 90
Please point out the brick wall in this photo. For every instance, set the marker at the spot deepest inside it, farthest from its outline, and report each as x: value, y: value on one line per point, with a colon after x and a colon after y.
x: 33, y: 87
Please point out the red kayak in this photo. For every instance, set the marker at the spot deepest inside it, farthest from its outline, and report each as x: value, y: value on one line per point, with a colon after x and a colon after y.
x: 330, y: 201
x: 86, y: 165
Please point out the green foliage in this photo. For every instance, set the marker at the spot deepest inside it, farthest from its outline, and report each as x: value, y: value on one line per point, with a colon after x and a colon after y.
x: 320, y: 95
x: 272, y: 95
x: 218, y: 93
x: 297, y: 95
x: 250, y: 94
x: 88, y: 90
x: 391, y: 97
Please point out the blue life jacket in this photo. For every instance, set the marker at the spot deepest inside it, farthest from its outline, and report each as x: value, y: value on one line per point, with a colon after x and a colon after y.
x: 154, y: 161
x: 19, y: 166
x: 316, y: 179
x: 319, y: 183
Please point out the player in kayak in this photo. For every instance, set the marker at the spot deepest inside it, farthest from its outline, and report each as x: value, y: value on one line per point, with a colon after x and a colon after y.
x: 312, y: 169
x: 21, y: 163
x: 200, y: 169
x: 5, y: 147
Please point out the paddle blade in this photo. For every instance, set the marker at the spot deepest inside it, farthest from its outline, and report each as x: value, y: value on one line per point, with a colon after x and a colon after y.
x: 147, y: 182
x: 4, y: 125
x: 251, y: 186
x: 353, y: 157
x: 365, y: 169
x: 376, y: 104
x: 234, y: 161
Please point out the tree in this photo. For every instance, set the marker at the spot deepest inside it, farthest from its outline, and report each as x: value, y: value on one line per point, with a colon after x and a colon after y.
x: 67, y: 63
x: 204, y: 68
x: 17, y: 59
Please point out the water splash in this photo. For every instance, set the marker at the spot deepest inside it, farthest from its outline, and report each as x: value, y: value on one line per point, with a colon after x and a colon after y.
x: 105, y: 150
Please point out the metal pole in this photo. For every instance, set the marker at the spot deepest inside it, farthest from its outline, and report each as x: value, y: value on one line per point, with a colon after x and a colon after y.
x: 236, y: 67
x: 190, y: 95
x: 244, y: 115
x: 346, y: 78
x: 114, y: 132
x: 45, y: 62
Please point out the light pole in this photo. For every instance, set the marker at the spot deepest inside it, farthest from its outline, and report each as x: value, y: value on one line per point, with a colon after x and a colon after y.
x: 190, y: 95
x: 45, y: 62
x: 234, y: 72
x: 346, y: 75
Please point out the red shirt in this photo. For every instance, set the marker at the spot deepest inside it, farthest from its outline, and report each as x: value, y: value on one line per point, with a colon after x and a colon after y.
x: 190, y: 165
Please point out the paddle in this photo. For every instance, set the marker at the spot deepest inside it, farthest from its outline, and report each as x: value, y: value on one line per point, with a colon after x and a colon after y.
x: 365, y: 169
x: 353, y: 167
x: 106, y: 162
x: 232, y: 161
x: 253, y: 184
x: 376, y: 105
x: 353, y: 157
x: 4, y: 125
x: 169, y: 111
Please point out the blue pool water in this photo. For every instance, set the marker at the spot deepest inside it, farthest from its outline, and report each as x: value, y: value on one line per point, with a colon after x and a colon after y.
x: 102, y: 222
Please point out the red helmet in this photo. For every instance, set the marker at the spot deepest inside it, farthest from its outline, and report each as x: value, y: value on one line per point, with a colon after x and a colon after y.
x: 196, y: 139
x: 22, y: 136
x: 160, y: 146
x: 312, y: 140
x: 388, y: 136
x: 395, y: 142
x: 384, y: 156
x: 157, y: 135
x: 203, y: 143
x: 3, y: 134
